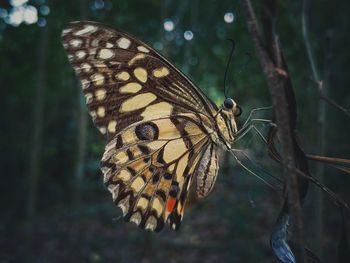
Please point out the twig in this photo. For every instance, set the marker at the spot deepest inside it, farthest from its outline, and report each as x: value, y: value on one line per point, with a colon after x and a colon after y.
x: 315, y: 74
x: 333, y: 103
x: 326, y: 159
x: 307, y: 41
x: 339, y: 202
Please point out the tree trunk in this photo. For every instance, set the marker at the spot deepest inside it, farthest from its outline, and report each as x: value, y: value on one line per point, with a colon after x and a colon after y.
x: 285, y: 112
x: 35, y: 158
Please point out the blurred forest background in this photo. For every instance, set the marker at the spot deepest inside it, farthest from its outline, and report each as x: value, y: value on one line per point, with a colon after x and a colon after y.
x: 54, y: 206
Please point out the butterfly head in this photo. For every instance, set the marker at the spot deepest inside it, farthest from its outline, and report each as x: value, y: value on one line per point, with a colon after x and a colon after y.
x: 226, y: 122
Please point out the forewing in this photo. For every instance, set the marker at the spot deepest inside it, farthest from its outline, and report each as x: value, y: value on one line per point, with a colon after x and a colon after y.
x: 125, y: 81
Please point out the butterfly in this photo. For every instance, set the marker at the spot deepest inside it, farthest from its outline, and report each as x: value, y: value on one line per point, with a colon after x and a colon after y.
x: 163, y: 133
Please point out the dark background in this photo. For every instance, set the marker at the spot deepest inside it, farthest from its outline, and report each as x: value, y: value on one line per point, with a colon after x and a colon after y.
x: 54, y: 207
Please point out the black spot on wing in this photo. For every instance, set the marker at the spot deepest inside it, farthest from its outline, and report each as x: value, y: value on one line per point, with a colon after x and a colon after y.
x: 144, y: 149
x: 161, y: 194
x: 147, y: 131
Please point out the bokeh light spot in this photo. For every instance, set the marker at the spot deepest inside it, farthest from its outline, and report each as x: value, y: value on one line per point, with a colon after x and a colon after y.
x: 168, y: 25
x: 158, y: 46
x: 99, y: 4
x: 229, y: 17
x: 188, y: 35
x: 44, y: 10
x: 42, y: 22
x: 15, y: 17
x: 3, y: 13
x: 30, y: 15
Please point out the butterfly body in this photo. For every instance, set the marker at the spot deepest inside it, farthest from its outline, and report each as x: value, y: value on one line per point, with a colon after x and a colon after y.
x: 163, y: 133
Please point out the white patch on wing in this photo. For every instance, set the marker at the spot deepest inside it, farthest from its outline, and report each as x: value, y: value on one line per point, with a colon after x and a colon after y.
x: 87, y: 29
x: 123, y: 43
x: 106, y: 53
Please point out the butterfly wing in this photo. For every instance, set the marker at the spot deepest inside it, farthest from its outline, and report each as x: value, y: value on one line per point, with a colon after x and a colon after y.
x: 120, y: 76
x: 152, y: 115
x: 148, y: 168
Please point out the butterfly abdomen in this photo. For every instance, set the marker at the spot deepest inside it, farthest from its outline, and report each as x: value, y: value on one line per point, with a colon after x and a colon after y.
x: 207, y: 171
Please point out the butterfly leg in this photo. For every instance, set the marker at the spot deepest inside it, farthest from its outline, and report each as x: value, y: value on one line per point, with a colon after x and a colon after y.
x: 241, y: 164
x: 255, y: 163
x: 244, y: 131
x: 253, y: 111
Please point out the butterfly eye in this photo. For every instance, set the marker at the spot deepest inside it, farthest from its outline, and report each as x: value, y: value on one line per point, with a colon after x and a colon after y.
x: 238, y: 111
x: 229, y: 103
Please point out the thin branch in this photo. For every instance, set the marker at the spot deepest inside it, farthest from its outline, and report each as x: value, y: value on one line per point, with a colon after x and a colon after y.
x: 326, y: 159
x: 333, y: 103
x: 304, y: 22
x: 315, y: 74
x: 339, y: 202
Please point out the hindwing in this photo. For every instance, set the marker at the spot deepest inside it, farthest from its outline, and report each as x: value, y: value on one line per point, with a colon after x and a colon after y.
x: 148, y: 168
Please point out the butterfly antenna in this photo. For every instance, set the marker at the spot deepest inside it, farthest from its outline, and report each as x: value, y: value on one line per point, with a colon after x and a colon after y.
x: 228, y: 64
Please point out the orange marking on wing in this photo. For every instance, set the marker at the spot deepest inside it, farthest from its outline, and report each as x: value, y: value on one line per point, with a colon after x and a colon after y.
x: 170, y: 204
